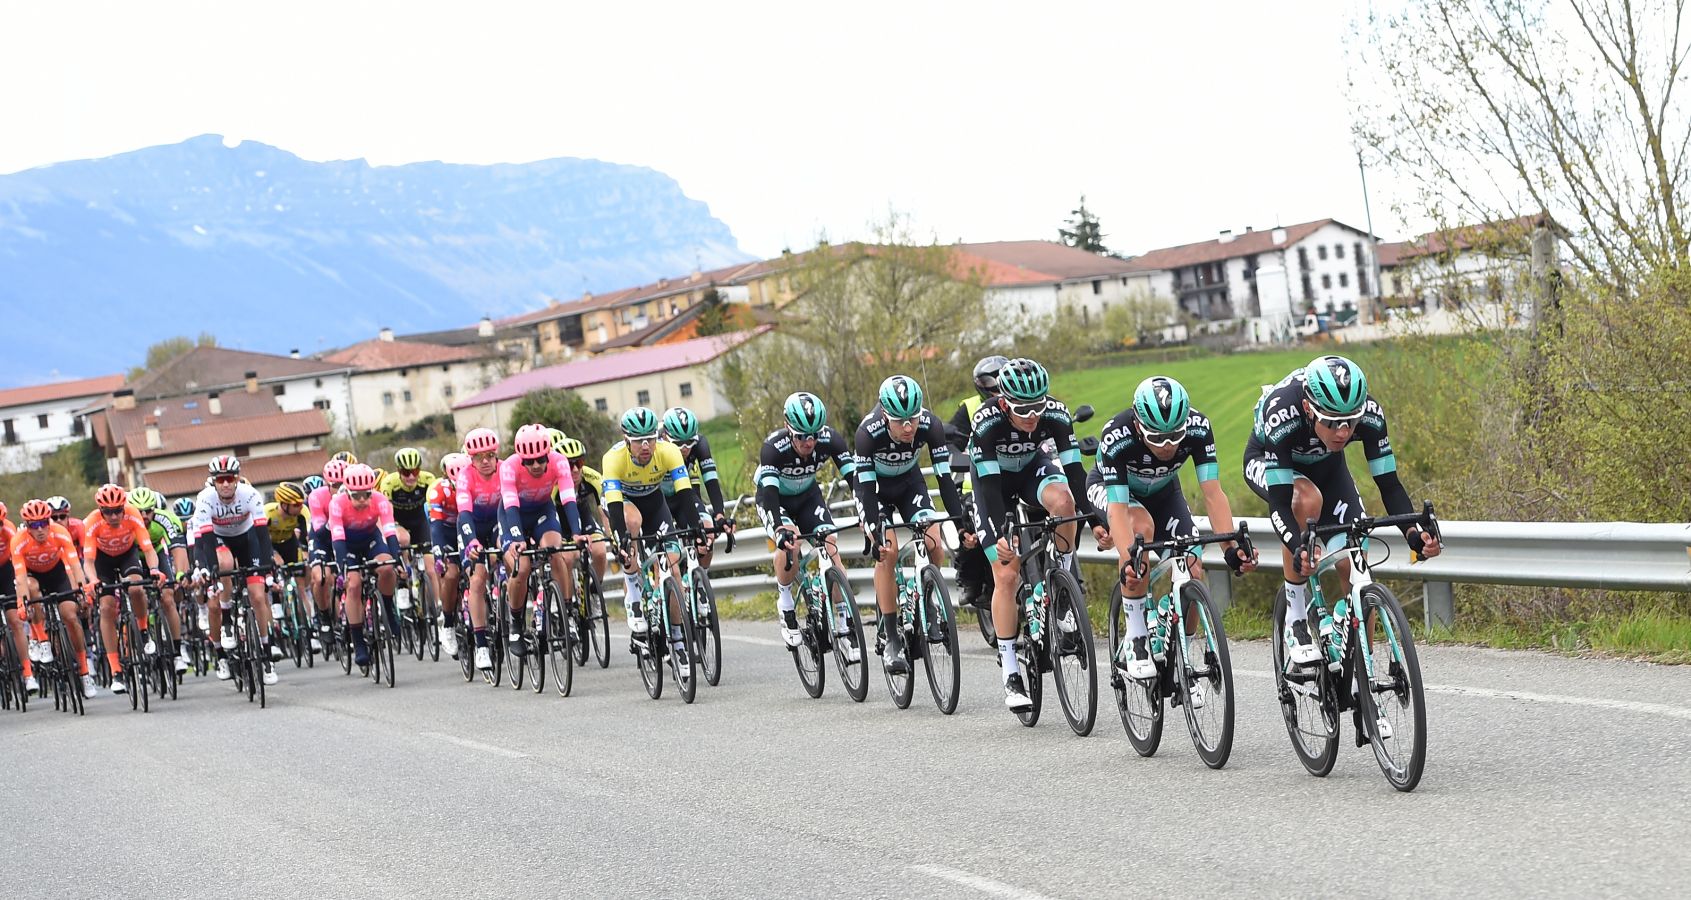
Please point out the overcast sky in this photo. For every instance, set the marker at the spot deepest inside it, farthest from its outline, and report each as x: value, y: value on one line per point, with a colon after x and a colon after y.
x: 981, y: 121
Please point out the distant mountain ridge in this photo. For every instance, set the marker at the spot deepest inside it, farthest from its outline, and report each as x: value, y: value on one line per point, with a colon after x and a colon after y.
x: 269, y: 252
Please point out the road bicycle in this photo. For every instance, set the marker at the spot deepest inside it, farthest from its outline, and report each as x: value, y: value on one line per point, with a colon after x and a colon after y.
x: 1054, y: 632
x: 550, y: 636
x: 695, y: 585
x: 659, y: 593
x: 926, y: 619
x: 831, y: 622
x: 12, y: 693
x: 58, y: 676
x: 591, y: 626
x: 136, y: 672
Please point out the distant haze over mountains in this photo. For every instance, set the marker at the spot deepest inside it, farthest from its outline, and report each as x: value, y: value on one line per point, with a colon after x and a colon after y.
x: 99, y: 258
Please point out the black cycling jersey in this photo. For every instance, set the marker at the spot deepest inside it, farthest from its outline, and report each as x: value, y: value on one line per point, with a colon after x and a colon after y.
x: 1002, y: 454
x: 1283, y: 446
x: 782, y: 472
x: 1130, y: 470
x: 882, y: 459
x: 701, y: 467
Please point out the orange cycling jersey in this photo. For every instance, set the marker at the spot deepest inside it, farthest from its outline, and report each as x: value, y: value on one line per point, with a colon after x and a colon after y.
x: 7, y: 534
x: 31, y: 555
x: 115, y: 540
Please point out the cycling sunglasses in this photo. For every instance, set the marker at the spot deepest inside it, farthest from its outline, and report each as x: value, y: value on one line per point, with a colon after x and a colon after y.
x: 1337, y: 421
x: 687, y: 445
x: 1034, y: 408
x: 1164, y: 438
x: 801, y: 437
x: 358, y: 496
x: 226, y: 479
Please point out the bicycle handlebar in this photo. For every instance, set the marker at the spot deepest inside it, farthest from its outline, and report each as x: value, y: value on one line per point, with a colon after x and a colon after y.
x: 1136, y: 554
x: 1426, y: 520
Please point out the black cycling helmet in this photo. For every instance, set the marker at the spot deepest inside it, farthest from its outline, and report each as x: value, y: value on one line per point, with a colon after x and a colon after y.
x: 986, y: 375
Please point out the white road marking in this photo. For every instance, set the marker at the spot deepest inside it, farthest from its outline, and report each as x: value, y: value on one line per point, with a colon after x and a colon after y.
x: 978, y: 882
x: 1457, y: 690
x: 762, y: 642
x: 476, y: 745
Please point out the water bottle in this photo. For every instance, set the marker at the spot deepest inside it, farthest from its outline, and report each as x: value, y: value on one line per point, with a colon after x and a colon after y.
x: 1329, y: 641
x: 1035, y: 601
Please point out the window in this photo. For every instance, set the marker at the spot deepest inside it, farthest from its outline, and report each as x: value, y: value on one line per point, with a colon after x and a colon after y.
x: 41, y: 421
x: 1339, y: 251
x: 1326, y: 281
x: 1097, y: 286
x: 319, y: 382
x: 387, y: 398
x: 1357, y: 247
x: 191, y: 404
x: 243, y: 450
x: 601, y: 406
x: 446, y: 391
x: 686, y: 388
x: 1362, y: 282
x: 1321, y: 251
x: 408, y: 392
x: 76, y: 427
x: 194, y: 421
x: 1303, y: 257
x: 643, y: 398
x: 319, y: 404
x: 277, y: 390
x: 11, y: 436
x: 1344, y: 279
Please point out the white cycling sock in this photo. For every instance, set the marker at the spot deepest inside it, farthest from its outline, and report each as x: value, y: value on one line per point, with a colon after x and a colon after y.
x: 631, y: 591
x: 1297, y: 601
x: 784, y: 598
x: 1007, y: 655
x: 1134, y: 609
x: 1064, y: 559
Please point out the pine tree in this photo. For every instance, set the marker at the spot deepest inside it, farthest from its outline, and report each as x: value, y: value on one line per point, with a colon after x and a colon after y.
x: 1083, y: 230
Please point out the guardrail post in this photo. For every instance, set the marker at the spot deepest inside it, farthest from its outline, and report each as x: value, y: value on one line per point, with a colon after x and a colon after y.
x: 1221, y: 588
x: 1440, y: 603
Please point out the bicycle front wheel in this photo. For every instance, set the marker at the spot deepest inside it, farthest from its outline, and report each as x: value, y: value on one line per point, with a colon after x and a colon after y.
x: 939, y: 655
x: 561, y: 643
x: 1306, y: 703
x: 1074, y: 662
x: 842, y: 606
x: 1140, y: 703
x: 1395, y: 700
x: 807, y: 656
x: 687, y: 677
x: 1204, y: 676
x: 708, y: 631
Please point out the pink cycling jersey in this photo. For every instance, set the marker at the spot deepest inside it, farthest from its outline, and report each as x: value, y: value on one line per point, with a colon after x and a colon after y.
x: 478, y: 494
x: 517, y: 488
x: 344, y: 517
x: 318, y: 503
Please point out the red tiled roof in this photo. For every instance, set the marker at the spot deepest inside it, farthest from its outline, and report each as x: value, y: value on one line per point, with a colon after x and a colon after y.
x: 377, y: 354
x: 733, y: 274
x: 1040, y: 262
x: 203, y: 368
x: 1214, y: 250
x: 181, y: 411
x: 229, y: 433
x: 614, y: 366
x: 1390, y: 254
x: 60, y: 390
x: 1468, y: 237
x: 258, y: 470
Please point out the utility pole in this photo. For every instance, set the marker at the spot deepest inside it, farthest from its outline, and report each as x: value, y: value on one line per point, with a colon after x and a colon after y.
x: 1373, y: 239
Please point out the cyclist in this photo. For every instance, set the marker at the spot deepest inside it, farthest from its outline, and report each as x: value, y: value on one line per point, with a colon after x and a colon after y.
x: 790, y: 502
x: 972, y: 570
x: 12, y: 619
x: 229, y: 529
x: 407, y: 488
x: 1011, y: 466
x: 633, y: 469
x: 479, y: 500
x: 588, y: 493
x: 1295, y: 460
x: 1137, y: 482
x: 115, y: 543
x: 289, y: 522
x: 681, y: 428
x: 442, y: 509
x: 62, y: 516
x: 361, y: 529
x: 170, y: 540
x: 44, y: 562
x: 527, y: 480
x: 322, y: 548
x: 889, y: 442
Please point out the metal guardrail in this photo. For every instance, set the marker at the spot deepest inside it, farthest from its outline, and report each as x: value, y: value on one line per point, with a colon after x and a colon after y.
x: 1627, y: 556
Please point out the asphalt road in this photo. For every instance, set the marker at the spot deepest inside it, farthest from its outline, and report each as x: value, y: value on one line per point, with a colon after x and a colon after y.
x: 1545, y: 776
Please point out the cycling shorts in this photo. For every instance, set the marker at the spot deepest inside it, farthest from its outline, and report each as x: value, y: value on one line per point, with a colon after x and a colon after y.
x: 533, y: 521
x: 53, y: 581
x: 1340, y: 503
x: 907, y: 496
x: 112, y: 569
x: 414, y: 521
x: 443, y: 540
x: 288, y: 550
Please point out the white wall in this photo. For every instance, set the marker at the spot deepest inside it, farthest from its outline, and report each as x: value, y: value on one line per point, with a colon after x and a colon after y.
x: 199, y: 457
x: 663, y: 390
x: 379, y: 399
x: 34, y: 438
x: 1035, y: 301
x: 307, y: 391
x: 1334, y: 296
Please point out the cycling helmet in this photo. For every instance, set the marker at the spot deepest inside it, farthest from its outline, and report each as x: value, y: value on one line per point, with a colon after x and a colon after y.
x: 223, y: 465
x: 360, y: 477
x: 1023, y: 380
x: 3, y: 511
x: 111, y: 496
x: 679, y: 424
x: 901, y: 396
x: 1335, y: 385
x: 334, y: 472
x: 558, y: 438
x: 408, y: 459
x: 58, y: 504
x: 346, y: 456
x: 36, y: 511
x: 572, y: 448
x: 532, y: 442
x: 144, y: 499
x: 311, y: 484
x: 986, y: 375
x: 1161, y: 404
x: 453, y: 463
x: 289, y: 493
x: 805, y: 412
x: 639, y: 422
x: 481, y: 440
x: 184, y: 507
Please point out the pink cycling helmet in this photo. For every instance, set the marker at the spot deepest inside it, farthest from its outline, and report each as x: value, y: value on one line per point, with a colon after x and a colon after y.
x: 334, y: 471
x: 533, y: 441
x: 453, y: 463
x: 481, y: 440
x: 360, y: 478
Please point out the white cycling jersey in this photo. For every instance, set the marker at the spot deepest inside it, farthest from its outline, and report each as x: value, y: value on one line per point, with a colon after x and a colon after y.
x: 228, y: 518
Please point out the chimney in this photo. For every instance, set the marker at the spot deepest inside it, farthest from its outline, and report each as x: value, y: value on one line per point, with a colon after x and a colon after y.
x: 214, y: 404
x: 294, y: 353
x: 1249, y: 229
x: 1278, y: 235
x: 123, y: 398
x: 485, y: 329
x: 1226, y: 236
x: 153, y: 440
x: 385, y: 334
x: 252, y: 382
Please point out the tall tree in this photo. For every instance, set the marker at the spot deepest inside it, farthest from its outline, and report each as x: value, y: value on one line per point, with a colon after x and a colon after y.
x: 567, y: 412
x: 168, y: 349
x: 1083, y: 230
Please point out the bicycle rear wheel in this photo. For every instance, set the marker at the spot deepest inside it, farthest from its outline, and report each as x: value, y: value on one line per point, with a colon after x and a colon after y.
x: 687, y: 677
x: 1139, y: 703
x: 807, y: 656
x: 466, y: 645
x: 1204, y: 676
x: 939, y: 658
x: 540, y: 646
x: 496, y: 637
x: 1028, y: 653
x: 581, y: 621
x: 598, y: 622
x: 1074, y: 662
x: 842, y: 605
x: 561, y: 637
x: 1306, y: 703
x: 1385, y: 649
x: 707, y: 629
x: 900, y: 687
x: 649, y: 650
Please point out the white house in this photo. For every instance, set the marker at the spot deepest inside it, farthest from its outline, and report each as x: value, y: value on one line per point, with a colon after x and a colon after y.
x: 296, y: 384
x: 1473, y: 268
x: 40, y: 419
x: 394, y: 383
x: 1039, y: 278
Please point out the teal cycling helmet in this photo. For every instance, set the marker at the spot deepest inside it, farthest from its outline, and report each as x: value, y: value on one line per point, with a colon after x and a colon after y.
x: 901, y: 397
x: 639, y: 422
x: 312, y: 483
x: 679, y: 424
x: 805, y: 412
x: 1335, y: 385
x: 1161, y: 404
x: 1023, y: 381
x: 184, y: 507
